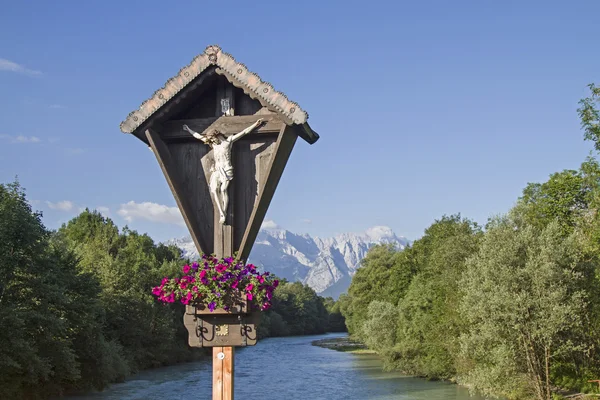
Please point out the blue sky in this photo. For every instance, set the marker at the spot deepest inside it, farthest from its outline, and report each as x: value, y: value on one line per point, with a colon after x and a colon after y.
x: 424, y: 108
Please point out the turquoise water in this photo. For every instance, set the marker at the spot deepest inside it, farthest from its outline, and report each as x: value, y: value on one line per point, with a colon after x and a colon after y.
x: 285, y: 368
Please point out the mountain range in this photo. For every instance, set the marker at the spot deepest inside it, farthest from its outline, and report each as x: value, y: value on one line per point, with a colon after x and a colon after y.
x: 325, y: 264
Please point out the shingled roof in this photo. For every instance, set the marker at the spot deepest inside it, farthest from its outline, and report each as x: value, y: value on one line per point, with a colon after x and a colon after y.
x: 238, y: 75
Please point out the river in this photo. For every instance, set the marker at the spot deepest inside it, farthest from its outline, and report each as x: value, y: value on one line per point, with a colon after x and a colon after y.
x: 285, y: 368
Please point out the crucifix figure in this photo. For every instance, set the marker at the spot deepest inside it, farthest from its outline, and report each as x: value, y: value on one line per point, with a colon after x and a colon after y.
x: 221, y: 172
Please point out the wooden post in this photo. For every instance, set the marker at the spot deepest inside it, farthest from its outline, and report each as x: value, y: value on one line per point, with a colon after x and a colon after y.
x: 223, y: 366
x: 223, y: 357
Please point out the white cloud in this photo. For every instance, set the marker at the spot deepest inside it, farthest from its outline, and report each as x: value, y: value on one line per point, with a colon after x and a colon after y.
x: 10, y: 66
x: 21, y: 139
x: 306, y: 221
x: 64, y: 205
x: 26, y: 139
x: 151, y: 212
x: 103, y: 210
x: 269, y: 224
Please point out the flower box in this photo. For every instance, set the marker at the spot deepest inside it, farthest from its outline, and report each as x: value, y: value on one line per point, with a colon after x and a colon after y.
x: 223, y: 300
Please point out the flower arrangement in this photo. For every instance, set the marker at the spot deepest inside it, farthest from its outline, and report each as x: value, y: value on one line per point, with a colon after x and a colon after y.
x: 212, y: 283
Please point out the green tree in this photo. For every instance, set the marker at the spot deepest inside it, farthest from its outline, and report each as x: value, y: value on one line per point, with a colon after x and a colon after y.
x: 566, y: 197
x: 384, y: 275
x: 429, y: 323
x: 379, y: 330
x: 524, y: 306
x: 590, y: 116
x: 51, y: 318
x: 127, y: 265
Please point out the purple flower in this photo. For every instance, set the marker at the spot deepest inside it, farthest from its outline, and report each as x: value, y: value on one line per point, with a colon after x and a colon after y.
x: 195, y: 266
x: 212, y: 306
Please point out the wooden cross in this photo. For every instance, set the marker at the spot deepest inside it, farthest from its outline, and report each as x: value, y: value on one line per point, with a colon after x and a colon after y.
x: 215, y: 92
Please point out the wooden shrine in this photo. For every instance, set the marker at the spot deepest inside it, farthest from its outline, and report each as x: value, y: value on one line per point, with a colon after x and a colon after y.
x: 222, y: 137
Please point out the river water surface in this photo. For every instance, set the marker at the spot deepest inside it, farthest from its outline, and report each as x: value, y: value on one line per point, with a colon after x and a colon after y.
x: 288, y: 369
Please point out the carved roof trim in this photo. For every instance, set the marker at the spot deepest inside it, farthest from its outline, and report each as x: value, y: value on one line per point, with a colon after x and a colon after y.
x: 213, y: 55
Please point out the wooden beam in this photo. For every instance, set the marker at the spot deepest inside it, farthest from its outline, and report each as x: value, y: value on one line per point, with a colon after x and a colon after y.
x: 163, y: 156
x: 181, y: 101
x: 223, y: 366
x: 283, y: 148
x: 172, y: 130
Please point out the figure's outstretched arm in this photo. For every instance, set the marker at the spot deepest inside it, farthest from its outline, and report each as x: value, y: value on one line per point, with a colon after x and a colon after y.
x: 246, y: 131
x: 194, y: 133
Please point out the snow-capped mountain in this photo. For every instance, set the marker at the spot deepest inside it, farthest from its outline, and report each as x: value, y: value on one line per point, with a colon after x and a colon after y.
x: 327, y: 265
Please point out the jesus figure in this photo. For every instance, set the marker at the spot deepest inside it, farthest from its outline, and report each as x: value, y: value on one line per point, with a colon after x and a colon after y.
x: 221, y: 172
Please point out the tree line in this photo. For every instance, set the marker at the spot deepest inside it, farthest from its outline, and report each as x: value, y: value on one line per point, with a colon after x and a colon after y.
x: 77, y: 312
x: 510, y: 309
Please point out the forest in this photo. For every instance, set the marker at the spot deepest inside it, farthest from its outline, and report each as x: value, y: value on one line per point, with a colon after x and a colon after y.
x: 508, y: 309
x: 76, y: 307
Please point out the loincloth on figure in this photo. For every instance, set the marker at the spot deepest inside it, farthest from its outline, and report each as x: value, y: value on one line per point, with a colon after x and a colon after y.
x: 221, y: 175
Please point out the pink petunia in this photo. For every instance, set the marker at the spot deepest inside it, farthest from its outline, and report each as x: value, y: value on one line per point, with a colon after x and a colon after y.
x: 221, y: 268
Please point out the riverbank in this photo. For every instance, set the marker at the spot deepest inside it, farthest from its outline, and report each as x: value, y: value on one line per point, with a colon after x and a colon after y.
x: 347, y: 345
x: 344, y: 344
